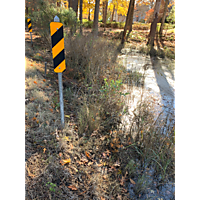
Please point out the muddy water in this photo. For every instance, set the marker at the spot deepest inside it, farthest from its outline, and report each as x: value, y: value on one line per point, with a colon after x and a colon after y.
x: 159, y: 82
x: 159, y: 86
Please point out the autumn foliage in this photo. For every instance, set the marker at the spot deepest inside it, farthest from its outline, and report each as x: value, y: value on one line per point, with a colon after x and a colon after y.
x: 149, y: 14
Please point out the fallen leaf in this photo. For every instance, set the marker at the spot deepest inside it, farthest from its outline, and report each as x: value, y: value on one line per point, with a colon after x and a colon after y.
x: 67, y: 116
x: 35, y: 82
x: 60, y: 154
x: 51, y: 110
x: 34, y: 118
x: 90, y: 163
x: 44, y: 80
x: 72, y: 187
x: 37, y: 121
x: 117, y: 163
x: 132, y: 181
x: 31, y: 64
x: 44, y: 150
x: 87, y: 154
x: 66, y: 138
x: 63, y: 162
x: 31, y: 175
x: 102, y: 138
x: 104, y: 177
x: 82, y: 193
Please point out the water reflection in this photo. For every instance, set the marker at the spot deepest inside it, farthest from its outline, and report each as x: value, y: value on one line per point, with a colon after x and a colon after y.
x: 159, y: 82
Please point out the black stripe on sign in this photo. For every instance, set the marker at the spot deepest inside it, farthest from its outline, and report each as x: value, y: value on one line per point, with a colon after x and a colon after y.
x: 30, y: 28
x: 58, y: 59
x: 29, y: 22
x: 57, y: 36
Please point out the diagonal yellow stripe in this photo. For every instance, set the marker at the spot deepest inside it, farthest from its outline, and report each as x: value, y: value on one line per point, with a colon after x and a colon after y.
x: 30, y: 30
x: 29, y: 25
x: 54, y: 26
x: 62, y: 67
x: 28, y: 20
x: 58, y: 48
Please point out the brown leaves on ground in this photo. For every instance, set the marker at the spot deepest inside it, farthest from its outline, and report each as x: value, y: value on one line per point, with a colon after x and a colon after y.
x: 72, y: 187
x: 63, y: 162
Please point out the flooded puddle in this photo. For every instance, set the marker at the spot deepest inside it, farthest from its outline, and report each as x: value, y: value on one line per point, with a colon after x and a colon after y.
x: 159, y: 87
x: 159, y: 81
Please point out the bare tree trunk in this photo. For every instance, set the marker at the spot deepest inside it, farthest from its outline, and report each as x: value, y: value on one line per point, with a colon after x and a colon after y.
x: 113, y: 13
x: 80, y: 17
x: 105, y: 7
x: 96, y: 17
x: 129, y: 20
x: 89, y: 16
x: 89, y: 13
x: 163, y: 21
x: 27, y: 10
x: 74, y: 5
x: 154, y: 25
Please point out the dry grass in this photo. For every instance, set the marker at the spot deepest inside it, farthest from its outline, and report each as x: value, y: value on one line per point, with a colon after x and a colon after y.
x: 100, y: 156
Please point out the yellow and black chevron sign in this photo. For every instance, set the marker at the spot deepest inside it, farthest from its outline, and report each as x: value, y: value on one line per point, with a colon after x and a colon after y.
x: 57, y: 41
x: 29, y: 25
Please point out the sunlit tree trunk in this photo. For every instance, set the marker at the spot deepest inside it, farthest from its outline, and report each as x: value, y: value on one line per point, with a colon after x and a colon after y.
x: 129, y: 21
x: 163, y: 20
x: 113, y: 13
x: 96, y: 17
x: 154, y: 25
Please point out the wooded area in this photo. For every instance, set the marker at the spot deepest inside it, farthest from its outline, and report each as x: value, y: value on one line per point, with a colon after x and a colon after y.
x: 118, y: 138
x: 155, y: 12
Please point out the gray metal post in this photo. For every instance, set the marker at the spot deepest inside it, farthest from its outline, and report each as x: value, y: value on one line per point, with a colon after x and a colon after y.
x: 45, y: 70
x: 56, y: 19
x: 31, y: 39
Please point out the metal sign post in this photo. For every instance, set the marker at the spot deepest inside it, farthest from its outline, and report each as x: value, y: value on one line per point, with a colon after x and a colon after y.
x: 45, y: 70
x: 57, y: 40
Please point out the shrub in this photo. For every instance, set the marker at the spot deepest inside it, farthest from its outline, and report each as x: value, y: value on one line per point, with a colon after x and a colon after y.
x: 89, y: 57
x: 121, y: 24
x: 88, y: 24
x: 41, y: 19
x: 115, y: 25
x: 93, y: 63
x: 141, y: 26
x: 108, y: 24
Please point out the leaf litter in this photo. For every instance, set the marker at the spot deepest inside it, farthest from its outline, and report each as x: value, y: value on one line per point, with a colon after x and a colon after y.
x: 87, y: 177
